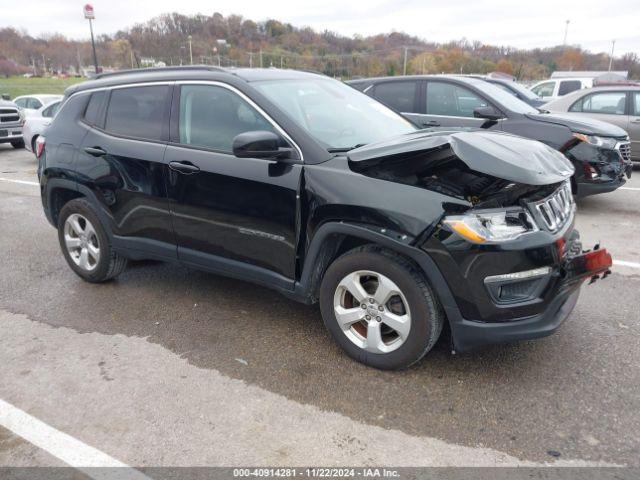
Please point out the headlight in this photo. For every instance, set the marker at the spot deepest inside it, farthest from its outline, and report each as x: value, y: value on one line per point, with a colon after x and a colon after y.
x: 604, y: 142
x: 492, y: 226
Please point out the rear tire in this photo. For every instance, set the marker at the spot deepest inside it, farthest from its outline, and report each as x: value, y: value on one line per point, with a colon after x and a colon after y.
x: 18, y: 144
x: 33, y: 144
x: 85, y: 244
x: 397, y: 318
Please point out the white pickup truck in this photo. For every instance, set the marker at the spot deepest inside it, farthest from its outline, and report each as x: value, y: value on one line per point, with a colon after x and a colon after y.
x: 11, y: 121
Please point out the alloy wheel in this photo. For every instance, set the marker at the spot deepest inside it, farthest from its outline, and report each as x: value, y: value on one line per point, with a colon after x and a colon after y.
x: 82, y: 242
x: 372, y: 311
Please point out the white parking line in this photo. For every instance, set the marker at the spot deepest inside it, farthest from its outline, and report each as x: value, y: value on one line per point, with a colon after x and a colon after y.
x: 630, y: 188
x: 624, y: 263
x: 23, y: 182
x: 68, y: 449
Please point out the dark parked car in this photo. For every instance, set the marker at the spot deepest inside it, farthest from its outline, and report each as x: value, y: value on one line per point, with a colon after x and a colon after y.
x: 600, y: 152
x: 257, y: 174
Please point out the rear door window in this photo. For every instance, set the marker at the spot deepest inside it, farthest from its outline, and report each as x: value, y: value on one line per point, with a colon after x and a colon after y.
x: 612, y: 103
x: 137, y: 112
x: 451, y: 100
x: 398, y: 95
x: 568, y: 86
x: 51, y: 110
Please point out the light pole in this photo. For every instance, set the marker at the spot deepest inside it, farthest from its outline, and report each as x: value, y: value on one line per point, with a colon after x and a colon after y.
x: 404, y: 65
x: 190, y: 51
x: 566, y: 29
x: 90, y: 15
x: 613, y: 45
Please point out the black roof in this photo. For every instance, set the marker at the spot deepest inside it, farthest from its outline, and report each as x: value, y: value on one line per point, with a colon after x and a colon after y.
x: 203, y: 72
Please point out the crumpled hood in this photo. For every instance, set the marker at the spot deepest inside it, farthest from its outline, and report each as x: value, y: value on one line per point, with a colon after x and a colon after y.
x: 497, y: 154
x: 581, y: 124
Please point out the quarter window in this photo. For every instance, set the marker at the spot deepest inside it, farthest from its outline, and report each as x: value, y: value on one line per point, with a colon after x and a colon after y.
x: 93, y: 107
x: 212, y: 116
x: 33, y: 103
x: 544, y: 89
x: 51, y: 110
x: 612, y: 103
x: 569, y: 86
x: 451, y: 100
x: 137, y: 112
x: 398, y: 95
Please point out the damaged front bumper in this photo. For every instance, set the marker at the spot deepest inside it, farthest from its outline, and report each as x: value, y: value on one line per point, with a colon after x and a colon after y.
x: 468, y: 334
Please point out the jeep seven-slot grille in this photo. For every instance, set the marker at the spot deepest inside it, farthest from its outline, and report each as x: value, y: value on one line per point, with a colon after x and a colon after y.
x: 557, y: 209
x: 9, y: 115
x: 625, y: 151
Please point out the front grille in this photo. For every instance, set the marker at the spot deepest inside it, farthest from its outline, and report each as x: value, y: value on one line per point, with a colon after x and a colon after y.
x: 625, y: 151
x: 9, y: 115
x: 557, y: 209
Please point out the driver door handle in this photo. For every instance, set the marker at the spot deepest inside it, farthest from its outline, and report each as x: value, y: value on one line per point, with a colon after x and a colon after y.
x: 95, y: 151
x: 184, y: 167
x: 430, y: 123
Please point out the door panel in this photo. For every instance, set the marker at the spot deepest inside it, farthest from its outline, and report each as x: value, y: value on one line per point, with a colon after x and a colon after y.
x: 127, y: 174
x: 243, y: 209
x: 239, y: 209
x: 129, y: 182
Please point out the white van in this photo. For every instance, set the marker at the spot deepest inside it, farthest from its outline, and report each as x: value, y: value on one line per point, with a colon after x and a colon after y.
x: 557, y: 87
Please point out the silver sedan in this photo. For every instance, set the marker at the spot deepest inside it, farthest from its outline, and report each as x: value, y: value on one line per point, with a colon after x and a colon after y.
x: 619, y: 105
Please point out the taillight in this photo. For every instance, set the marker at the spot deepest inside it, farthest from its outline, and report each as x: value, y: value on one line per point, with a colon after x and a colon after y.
x: 39, y: 146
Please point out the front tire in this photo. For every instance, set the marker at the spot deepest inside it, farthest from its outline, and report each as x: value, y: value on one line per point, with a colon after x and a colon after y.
x: 379, y: 308
x: 85, y: 244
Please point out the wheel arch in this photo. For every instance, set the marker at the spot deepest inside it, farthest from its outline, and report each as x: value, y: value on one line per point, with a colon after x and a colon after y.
x: 334, y: 238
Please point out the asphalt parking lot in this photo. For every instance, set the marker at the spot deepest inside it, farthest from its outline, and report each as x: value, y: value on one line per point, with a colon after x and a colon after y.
x: 169, y: 366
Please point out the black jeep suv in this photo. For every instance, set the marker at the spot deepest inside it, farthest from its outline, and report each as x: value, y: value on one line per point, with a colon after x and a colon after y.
x: 300, y: 183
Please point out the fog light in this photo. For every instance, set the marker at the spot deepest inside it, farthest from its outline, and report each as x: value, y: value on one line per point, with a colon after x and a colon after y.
x: 518, y: 287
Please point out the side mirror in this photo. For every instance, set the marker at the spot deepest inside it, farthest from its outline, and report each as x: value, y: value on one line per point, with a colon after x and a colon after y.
x: 260, y: 144
x: 489, y: 113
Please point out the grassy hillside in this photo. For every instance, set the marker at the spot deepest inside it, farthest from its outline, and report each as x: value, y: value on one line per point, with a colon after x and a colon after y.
x: 15, y: 86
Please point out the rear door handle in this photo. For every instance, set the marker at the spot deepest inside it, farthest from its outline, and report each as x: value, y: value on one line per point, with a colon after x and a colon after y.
x: 95, y: 151
x: 186, y: 168
x: 430, y: 123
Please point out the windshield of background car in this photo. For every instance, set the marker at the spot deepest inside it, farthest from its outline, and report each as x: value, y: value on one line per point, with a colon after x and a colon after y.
x: 334, y: 113
x: 505, y: 99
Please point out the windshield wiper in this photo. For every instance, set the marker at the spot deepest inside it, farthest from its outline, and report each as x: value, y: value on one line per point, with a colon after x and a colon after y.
x: 345, y: 149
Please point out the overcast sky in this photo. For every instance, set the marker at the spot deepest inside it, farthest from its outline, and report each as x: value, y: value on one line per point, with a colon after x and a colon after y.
x: 540, y: 23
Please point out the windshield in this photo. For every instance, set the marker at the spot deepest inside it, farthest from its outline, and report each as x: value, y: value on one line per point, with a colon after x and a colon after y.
x: 507, y: 100
x: 334, y: 113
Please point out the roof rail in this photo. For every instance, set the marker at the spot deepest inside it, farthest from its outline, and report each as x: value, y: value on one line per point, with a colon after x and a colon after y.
x: 159, y: 69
